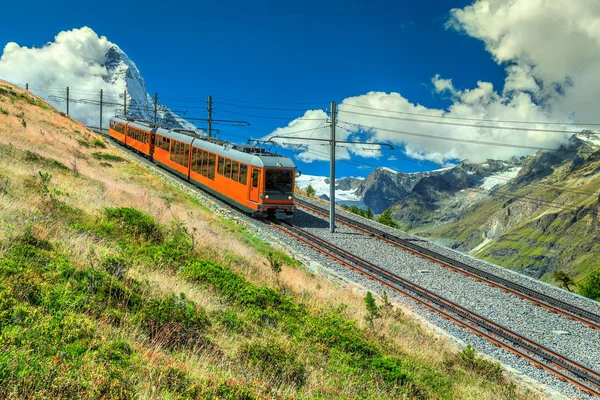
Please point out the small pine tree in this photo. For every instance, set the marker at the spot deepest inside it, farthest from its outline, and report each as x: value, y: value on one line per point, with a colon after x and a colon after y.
x: 386, y: 219
x: 372, y: 310
x: 275, y: 264
x: 310, y: 191
x: 386, y: 306
x: 563, y: 278
x: 590, y: 286
x: 369, y: 213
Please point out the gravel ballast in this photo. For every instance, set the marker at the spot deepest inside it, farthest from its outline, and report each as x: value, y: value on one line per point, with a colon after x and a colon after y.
x: 580, y: 343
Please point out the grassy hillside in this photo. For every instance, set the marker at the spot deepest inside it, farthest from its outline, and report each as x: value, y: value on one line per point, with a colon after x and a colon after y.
x: 114, y: 284
x: 559, y: 232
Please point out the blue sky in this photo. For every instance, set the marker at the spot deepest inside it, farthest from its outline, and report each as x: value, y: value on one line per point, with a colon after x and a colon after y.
x: 276, y: 52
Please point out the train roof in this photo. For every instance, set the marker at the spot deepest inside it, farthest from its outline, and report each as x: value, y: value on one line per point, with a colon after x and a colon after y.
x: 248, y: 154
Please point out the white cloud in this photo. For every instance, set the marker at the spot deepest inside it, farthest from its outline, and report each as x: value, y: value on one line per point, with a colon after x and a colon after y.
x: 554, y: 43
x: 442, y: 85
x: 75, y: 58
x: 551, y: 53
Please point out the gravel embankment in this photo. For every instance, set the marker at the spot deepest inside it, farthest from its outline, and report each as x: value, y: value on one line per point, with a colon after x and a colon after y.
x: 579, y: 343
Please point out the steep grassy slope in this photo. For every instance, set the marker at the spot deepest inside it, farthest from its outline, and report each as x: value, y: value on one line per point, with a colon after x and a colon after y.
x: 114, y: 284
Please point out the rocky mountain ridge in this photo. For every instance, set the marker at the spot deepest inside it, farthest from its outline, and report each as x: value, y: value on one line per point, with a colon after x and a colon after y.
x: 123, y: 72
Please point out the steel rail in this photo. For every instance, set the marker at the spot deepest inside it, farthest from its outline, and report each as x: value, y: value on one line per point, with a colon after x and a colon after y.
x: 553, y: 304
x: 476, y: 323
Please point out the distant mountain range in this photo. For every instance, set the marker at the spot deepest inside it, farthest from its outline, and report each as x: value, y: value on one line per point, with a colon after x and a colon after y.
x: 533, y: 214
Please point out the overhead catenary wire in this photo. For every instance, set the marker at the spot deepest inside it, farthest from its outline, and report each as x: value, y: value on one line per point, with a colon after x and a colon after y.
x: 515, y: 128
x: 450, y: 138
x: 270, y: 116
x: 470, y: 119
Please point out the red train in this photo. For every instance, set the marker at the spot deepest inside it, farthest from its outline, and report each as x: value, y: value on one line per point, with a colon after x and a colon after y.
x: 247, y: 177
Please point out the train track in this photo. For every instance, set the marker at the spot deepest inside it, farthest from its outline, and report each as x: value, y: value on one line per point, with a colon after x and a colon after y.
x: 555, y: 305
x: 564, y: 368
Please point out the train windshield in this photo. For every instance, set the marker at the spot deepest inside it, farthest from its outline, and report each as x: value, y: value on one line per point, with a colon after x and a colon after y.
x: 279, y: 180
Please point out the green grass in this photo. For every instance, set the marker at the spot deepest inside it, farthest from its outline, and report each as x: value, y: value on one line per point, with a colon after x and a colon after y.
x: 108, y: 157
x: 98, y: 143
x: 3, y: 111
x: 278, y: 337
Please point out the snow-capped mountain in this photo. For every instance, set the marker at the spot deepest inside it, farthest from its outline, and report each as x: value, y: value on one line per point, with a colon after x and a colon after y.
x: 123, y: 72
x: 345, y: 188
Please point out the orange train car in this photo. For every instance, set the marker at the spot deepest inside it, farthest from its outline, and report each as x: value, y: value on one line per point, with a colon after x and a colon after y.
x: 257, y: 182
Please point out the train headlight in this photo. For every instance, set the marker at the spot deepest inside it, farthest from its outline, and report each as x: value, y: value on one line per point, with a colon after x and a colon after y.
x: 266, y: 196
x: 289, y: 197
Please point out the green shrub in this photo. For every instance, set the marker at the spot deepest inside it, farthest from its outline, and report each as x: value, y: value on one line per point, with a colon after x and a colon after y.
x: 3, y: 111
x: 29, y: 238
x: 133, y: 222
x: 98, y: 143
x: 274, y: 360
x: 175, y: 321
x: 590, y: 285
x: 31, y: 156
x: 83, y: 142
x: 231, y: 321
x: 108, y: 157
x: 235, y: 288
x: 386, y: 219
x: 116, y: 266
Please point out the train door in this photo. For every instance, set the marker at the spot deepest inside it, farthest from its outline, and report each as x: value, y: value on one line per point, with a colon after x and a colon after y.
x: 254, y: 183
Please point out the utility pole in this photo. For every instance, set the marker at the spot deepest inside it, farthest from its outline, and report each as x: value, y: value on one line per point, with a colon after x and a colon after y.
x: 67, y: 100
x: 125, y: 103
x: 27, y: 87
x: 101, y: 95
x: 332, y: 172
x: 155, y: 106
x: 210, y: 116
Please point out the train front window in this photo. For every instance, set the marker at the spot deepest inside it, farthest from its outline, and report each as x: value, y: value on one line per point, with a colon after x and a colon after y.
x: 279, y: 180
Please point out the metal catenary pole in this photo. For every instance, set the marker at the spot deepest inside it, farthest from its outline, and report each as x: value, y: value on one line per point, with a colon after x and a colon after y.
x: 155, y: 106
x: 332, y: 172
x: 27, y: 87
x: 101, y: 95
x: 210, y: 109
x: 67, y: 100
x: 125, y: 102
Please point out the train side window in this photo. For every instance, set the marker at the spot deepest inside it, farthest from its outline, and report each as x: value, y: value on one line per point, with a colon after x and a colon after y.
x: 193, y: 164
x: 243, y: 174
x: 186, y: 155
x: 235, y: 170
x: 204, y: 163
x: 174, y: 151
x: 212, y: 161
x: 228, y: 168
x: 221, y: 170
x: 255, y: 173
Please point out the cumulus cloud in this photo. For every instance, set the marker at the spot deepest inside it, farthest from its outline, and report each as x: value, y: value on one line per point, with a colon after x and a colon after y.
x: 75, y: 58
x: 552, y: 49
x: 551, y: 54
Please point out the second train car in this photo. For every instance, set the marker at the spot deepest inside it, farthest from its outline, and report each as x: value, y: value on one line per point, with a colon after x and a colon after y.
x: 253, y: 180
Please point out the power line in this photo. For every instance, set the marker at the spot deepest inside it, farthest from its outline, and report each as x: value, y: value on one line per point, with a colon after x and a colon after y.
x: 271, y: 117
x: 469, y: 119
x: 267, y: 103
x: 451, y: 139
x: 261, y: 108
x: 461, y: 124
